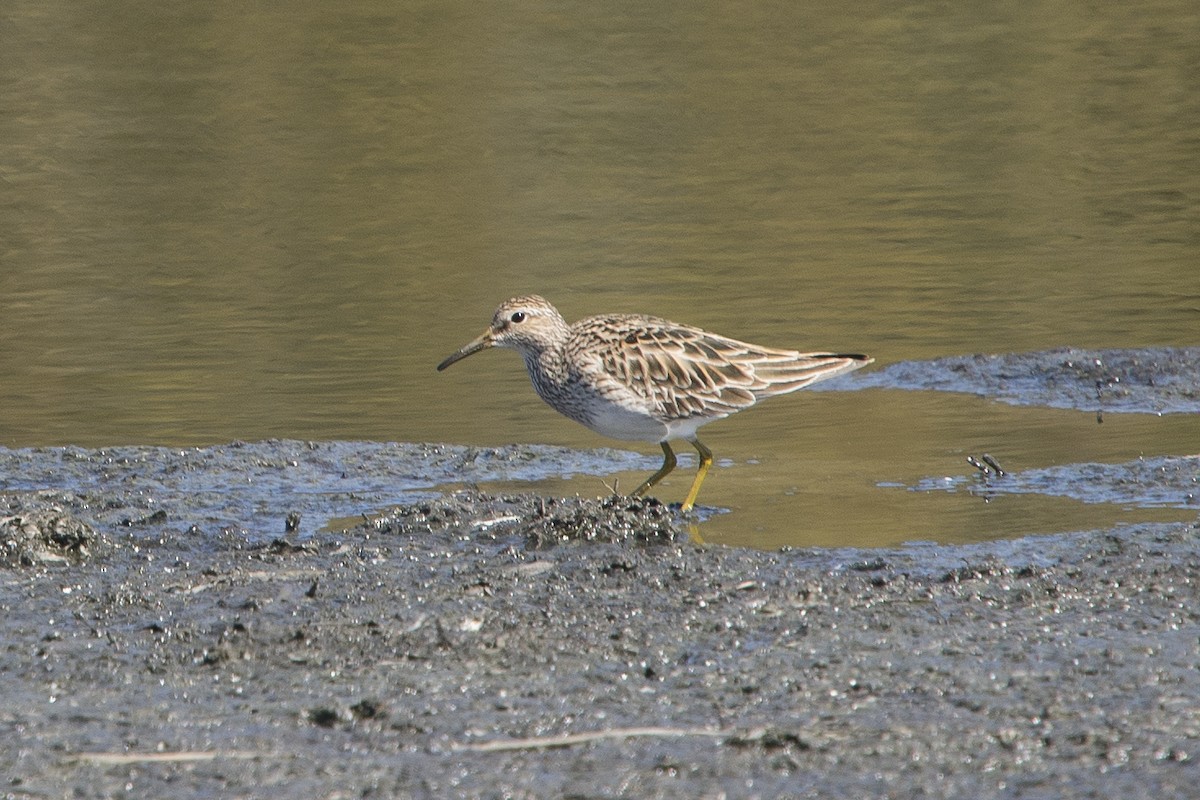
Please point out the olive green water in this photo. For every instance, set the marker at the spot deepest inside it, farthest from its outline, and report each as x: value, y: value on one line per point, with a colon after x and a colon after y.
x: 220, y: 222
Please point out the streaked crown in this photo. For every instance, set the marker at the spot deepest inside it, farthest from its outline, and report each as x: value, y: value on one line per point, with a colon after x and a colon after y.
x: 528, y: 324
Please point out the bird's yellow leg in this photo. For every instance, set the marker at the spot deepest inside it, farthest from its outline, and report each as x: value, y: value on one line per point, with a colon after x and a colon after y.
x: 667, y: 465
x: 705, y: 463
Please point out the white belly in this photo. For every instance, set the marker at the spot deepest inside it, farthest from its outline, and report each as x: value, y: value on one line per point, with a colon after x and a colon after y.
x: 618, y: 422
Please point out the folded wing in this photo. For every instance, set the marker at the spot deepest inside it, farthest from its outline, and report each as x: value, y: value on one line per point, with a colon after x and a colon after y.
x: 686, y: 372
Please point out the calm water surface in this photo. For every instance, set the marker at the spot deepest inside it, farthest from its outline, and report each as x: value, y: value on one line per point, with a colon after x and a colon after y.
x: 220, y: 222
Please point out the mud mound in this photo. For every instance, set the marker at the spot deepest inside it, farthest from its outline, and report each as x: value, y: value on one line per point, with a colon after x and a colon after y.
x: 37, y: 530
x: 539, y: 521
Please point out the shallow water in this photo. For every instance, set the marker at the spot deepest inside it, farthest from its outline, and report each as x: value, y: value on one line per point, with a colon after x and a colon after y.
x: 228, y: 223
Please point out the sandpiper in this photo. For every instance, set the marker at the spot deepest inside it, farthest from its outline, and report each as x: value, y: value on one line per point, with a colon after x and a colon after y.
x: 646, y: 379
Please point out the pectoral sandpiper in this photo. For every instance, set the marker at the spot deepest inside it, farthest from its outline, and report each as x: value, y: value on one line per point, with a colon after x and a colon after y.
x: 647, y: 379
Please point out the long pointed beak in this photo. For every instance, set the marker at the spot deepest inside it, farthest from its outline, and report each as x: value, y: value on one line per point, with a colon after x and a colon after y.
x: 481, y: 342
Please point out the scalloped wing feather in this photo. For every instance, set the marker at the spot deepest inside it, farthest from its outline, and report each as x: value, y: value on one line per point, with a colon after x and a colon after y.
x: 685, y: 372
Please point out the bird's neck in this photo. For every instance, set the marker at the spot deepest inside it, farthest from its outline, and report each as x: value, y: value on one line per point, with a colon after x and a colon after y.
x: 546, y: 368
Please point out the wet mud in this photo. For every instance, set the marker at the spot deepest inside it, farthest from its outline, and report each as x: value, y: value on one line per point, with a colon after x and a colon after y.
x: 521, y: 646
x: 197, y: 623
x: 1152, y: 482
x: 263, y: 489
x: 1131, y: 381
x: 1147, y: 381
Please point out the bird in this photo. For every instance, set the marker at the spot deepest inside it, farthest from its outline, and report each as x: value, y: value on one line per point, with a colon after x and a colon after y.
x: 643, y: 378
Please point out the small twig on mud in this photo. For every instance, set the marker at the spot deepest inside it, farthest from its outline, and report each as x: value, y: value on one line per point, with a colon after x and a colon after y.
x: 566, y: 740
x: 615, y: 489
x: 186, y: 755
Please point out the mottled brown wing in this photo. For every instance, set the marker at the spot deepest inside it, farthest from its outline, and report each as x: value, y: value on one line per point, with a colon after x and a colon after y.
x: 686, y: 372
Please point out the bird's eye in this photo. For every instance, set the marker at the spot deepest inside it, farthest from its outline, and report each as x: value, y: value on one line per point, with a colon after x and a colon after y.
x: 518, y: 316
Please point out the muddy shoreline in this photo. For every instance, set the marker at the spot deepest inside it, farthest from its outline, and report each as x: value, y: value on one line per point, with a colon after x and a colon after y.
x: 485, y: 646
x: 184, y: 623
